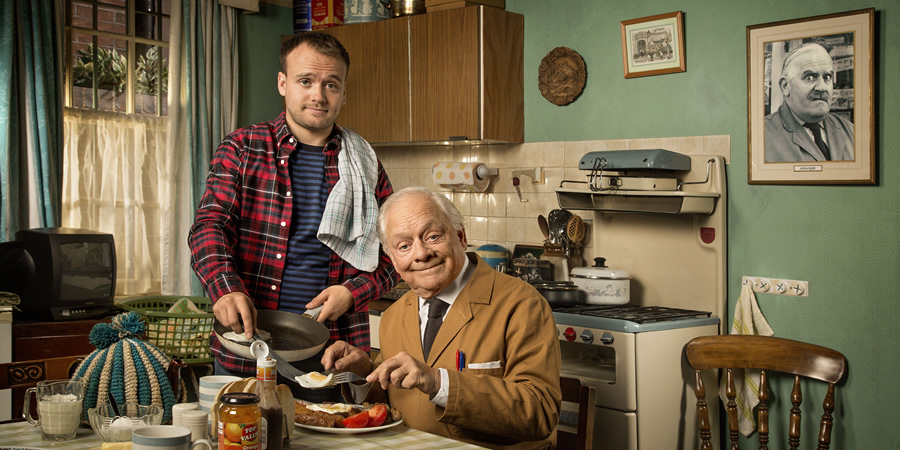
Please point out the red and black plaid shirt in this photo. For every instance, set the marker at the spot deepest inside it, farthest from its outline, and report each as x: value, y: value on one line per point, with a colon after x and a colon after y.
x: 240, y: 232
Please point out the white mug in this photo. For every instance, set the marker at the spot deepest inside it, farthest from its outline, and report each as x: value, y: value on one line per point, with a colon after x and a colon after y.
x: 165, y: 437
x: 209, y: 387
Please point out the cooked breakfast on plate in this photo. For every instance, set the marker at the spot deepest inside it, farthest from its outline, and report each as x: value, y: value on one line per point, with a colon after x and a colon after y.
x: 342, y: 415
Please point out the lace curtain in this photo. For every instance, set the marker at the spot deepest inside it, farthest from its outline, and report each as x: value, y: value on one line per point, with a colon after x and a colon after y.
x: 113, y: 174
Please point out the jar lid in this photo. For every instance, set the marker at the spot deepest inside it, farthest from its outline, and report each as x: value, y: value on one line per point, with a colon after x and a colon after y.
x: 239, y: 398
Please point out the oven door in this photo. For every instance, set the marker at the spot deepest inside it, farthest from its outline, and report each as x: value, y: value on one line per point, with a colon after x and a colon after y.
x: 604, y: 360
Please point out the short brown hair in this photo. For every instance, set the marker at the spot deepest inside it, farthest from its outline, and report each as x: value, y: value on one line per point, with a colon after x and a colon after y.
x: 323, y: 43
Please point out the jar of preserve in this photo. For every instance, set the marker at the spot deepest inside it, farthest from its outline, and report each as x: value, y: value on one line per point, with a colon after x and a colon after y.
x: 239, y: 421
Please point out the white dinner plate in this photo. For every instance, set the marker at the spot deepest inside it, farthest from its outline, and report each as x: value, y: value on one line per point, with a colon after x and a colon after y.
x: 348, y: 430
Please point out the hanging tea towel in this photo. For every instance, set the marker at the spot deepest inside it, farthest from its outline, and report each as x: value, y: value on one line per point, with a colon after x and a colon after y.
x: 748, y: 320
x: 351, y: 210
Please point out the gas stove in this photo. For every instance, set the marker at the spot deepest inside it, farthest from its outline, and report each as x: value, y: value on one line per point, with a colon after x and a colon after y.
x: 632, y: 318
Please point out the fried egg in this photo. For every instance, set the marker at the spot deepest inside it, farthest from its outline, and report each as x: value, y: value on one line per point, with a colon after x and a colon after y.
x: 330, y: 408
x: 314, y: 380
x: 241, y: 338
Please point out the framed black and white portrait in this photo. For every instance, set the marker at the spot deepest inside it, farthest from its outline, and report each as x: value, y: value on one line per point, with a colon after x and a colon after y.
x: 810, y: 100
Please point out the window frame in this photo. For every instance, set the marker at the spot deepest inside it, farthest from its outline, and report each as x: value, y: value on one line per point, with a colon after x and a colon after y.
x: 131, y: 54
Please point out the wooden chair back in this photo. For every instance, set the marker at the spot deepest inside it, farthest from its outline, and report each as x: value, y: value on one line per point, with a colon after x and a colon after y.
x: 585, y: 396
x: 767, y: 354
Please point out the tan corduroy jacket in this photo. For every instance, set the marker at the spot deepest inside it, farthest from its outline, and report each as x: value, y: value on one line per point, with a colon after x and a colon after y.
x: 498, y: 320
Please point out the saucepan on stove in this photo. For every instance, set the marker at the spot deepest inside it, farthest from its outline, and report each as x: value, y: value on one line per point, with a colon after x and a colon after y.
x: 560, y: 294
x: 602, y: 285
x: 295, y: 337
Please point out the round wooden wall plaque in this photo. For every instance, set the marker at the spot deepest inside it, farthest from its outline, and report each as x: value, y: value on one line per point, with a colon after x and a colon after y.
x: 561, y: 76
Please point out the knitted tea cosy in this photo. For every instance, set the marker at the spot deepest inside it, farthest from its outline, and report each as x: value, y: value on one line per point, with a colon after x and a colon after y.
x: 130, y: 368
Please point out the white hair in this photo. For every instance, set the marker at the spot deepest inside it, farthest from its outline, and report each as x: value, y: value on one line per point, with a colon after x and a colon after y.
x: 446, y: 210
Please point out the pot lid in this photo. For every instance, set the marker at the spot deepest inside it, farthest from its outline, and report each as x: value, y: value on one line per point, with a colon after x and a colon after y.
x: 599, y: 271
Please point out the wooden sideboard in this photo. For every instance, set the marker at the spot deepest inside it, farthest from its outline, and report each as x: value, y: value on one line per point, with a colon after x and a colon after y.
x: 34, y: 341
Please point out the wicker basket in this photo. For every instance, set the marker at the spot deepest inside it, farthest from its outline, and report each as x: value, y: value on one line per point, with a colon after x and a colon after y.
x: 178, y: 335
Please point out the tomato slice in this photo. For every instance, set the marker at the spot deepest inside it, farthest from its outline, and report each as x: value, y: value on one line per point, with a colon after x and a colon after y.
x: 377, y: 415
x: 357, y: 421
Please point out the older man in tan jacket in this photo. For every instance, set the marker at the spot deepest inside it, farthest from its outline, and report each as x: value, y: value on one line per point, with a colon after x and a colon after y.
x: 506, y: 393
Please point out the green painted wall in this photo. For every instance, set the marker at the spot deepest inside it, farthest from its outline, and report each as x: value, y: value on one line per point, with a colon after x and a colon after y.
x: 259, y: 42
x: 844, y: 240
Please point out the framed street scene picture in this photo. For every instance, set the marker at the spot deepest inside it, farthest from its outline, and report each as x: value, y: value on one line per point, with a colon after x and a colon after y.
x: 810, y: 86
x: 653, y: 45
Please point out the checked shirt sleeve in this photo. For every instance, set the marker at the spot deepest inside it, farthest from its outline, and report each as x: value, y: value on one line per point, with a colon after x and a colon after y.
x: 213, y: 236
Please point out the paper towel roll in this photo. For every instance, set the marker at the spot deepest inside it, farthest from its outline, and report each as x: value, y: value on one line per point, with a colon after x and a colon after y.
x: 459, y: 176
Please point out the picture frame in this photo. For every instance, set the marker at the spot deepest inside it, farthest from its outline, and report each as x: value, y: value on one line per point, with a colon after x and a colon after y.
x: 653, y: 45
x: 787, y: 86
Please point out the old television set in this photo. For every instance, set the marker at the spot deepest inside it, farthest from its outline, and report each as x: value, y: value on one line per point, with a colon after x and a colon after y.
x: 60, y: 273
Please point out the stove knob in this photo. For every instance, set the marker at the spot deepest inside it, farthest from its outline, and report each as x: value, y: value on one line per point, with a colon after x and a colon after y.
x: 607, y: 338
x: 587, y: 336
x: 569, y: 334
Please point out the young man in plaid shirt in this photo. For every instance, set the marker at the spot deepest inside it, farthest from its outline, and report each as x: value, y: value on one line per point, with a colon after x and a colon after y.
x: 254, y: 240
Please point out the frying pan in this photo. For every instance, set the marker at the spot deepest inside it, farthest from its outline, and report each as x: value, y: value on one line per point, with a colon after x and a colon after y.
x: 295, y: 337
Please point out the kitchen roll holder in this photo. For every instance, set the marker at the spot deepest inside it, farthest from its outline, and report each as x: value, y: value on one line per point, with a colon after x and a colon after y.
x: 462, y: 176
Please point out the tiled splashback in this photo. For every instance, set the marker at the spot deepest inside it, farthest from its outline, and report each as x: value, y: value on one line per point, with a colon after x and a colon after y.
x: 497, y: 215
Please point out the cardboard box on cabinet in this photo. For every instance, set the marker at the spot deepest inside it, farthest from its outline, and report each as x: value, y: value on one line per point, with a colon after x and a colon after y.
x: 327, y: 13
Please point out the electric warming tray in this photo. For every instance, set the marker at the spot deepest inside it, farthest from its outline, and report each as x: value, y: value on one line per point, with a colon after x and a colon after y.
x: 644, y: 181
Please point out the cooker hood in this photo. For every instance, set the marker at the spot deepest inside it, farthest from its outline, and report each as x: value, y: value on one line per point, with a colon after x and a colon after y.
x: 645, y: 181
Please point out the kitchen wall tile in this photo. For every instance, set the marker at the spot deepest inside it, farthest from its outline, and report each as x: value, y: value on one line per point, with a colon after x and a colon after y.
x: 497, y: 229
x: 618, y: 144
x: 534, y: 205
x: 638, y: 144
x: 497, y: 205
x: 552, y: 177
x: 515, y: 230
x: 572, y: 154
x: 422, y: 177
x: 594, y: 146
x: 478, y: 228
x: 399, y: 177
x: 464, y: 153
x: 670, y: 144
x: 690, y: 145
x: 534, y: 156
x: 514, y: 207
x: 479, y: 205
x: 573, y: 174
x: 463, y: 203
x: 718, y: 145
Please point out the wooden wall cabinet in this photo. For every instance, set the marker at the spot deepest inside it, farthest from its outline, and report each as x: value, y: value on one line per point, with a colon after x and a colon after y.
x: 454, y: 74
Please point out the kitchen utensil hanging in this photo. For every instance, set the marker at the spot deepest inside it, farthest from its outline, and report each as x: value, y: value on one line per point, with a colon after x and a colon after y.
x: 575, y: 229
x: 545, y: 227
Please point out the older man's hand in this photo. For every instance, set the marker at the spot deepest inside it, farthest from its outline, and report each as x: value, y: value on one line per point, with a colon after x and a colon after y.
x: 406, y: 372
x: 343, y: 357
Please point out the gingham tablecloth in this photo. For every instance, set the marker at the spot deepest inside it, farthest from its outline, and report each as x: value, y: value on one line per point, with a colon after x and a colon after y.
x: 22, y: 435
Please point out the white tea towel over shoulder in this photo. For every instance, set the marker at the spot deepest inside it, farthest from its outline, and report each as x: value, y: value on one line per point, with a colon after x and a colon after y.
x: 748, y: 319
x: 348, y: 222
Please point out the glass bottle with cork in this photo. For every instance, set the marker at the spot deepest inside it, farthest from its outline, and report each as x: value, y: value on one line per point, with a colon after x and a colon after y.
x: 269, y: 404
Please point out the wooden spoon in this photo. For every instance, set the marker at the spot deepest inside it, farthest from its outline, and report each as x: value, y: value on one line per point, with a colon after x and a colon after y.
x: 545, y: 227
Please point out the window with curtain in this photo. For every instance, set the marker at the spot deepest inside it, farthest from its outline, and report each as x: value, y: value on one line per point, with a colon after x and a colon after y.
x: 116, y: 130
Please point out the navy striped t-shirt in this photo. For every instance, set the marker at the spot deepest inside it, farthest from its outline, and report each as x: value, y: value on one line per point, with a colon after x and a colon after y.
x: 306, y: 263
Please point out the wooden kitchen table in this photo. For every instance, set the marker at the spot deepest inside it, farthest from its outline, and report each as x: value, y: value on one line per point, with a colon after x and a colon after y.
x: 23, y: 435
